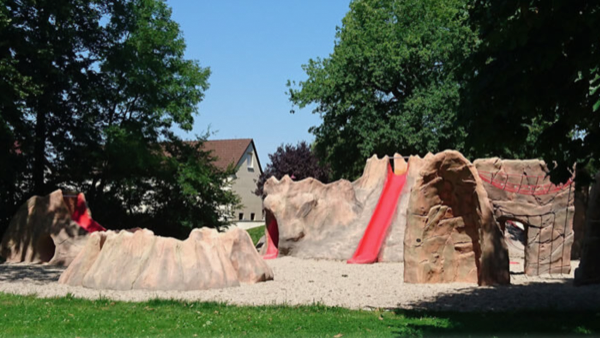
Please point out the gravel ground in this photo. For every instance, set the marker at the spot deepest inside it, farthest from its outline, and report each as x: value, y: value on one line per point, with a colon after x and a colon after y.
x: 333, y: 283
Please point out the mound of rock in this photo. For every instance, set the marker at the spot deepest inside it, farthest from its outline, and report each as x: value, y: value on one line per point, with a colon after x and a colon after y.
x: 42, y: 231
x: 451, y: 234
x: 140, y: 260
x: 521, y: 191
x: 324, y: 221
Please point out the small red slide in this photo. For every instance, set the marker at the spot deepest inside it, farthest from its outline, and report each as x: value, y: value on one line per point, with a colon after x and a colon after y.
x: 272, y: 239
x: 82, y: 217
x: 370, y: 243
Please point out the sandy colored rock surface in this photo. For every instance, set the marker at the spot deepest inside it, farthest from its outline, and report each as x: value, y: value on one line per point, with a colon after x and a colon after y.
x: 327, y: 221
x: 324, y: 221
x: 140, y: 260
x: 443, y: 228
x: 42, y: 231
x: 392, y: 249
x: 451, y: 234
x: 301, y: 281
x: 520, y: 190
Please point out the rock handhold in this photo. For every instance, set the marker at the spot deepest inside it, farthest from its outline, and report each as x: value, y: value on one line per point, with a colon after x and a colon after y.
x: 140, y: 260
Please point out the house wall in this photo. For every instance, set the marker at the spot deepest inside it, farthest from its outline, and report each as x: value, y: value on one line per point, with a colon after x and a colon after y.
x: 245, y: 184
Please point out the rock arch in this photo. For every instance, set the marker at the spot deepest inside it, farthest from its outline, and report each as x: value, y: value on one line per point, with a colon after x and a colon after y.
x: 521, y: 190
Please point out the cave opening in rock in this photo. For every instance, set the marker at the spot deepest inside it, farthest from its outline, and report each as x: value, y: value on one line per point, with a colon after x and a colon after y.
x: 515, y: 235
x: 46, y: 248
x: 272, y: 233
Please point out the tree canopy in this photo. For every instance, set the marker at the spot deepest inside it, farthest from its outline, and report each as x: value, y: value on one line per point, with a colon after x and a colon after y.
x: 93, y: 89
x: 298, y: 162
x: 390, y: 84
x: 531, y: 85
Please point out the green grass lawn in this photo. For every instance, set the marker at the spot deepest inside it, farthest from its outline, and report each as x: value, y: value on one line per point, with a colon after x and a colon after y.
x: 256, y: 233
x: 28, y: 316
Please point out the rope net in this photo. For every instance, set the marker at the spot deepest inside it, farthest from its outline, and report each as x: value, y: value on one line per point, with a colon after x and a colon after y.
x: 520, y: 183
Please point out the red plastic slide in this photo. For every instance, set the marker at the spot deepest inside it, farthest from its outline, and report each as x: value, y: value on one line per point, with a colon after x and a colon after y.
x: 272, y: 239
x: 82, y: 217
x: 370, y: 243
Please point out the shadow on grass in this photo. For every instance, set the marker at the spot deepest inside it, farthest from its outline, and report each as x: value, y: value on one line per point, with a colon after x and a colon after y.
x: 504, y: 324
x: 556, y: 309
x: 21, y: 273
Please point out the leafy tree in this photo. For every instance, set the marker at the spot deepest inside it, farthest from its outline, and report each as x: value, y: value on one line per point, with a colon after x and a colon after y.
x: 13, y: 88
x: 95, y: 87
x: 532, y: 83
x: 51, y: 44
x: 298, y: 162
x: 390, y: 84
x: 150, y: 86
x: 38, y: 60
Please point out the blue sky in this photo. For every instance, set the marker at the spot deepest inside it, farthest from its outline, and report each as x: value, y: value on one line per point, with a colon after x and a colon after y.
x: 252, y: 49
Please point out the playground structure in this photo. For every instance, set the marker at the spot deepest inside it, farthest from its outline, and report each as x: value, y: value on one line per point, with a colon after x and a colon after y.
x: 58, y: 230
x: 521, y: 191
x: 451, y: 235
x: 368, y: 247
x: 446, y: 220
x: 138, y: 259
x: 50, y: 229
x: 309, y: 219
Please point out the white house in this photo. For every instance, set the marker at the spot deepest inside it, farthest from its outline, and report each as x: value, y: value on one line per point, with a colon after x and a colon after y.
x: 242, y: 154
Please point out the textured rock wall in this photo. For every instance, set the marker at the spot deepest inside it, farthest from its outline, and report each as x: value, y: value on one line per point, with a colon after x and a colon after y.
x: 523, y: 192
x: 42, y: 232
x: 324, y: 221
x: 140, y: 260
x: 393, y: 247
x: 451, y: 235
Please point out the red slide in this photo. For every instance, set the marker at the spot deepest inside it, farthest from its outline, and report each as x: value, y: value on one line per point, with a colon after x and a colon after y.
x: 370, y: 243
x: 82, y: 217
x: 272, y: 239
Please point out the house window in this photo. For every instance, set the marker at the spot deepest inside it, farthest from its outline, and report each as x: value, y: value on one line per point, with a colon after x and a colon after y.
x: 241, y: 217
x: 252, y: 216
x: 250, y: 160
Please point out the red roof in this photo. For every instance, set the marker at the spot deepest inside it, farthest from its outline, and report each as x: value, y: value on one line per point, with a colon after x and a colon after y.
x: 228, y: 151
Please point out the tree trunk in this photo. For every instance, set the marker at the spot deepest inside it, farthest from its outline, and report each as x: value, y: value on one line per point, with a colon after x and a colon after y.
x: 39, y: 154
x: 588, y: 271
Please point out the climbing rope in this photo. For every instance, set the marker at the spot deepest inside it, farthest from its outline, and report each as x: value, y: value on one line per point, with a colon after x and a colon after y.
x: 502, y: 181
